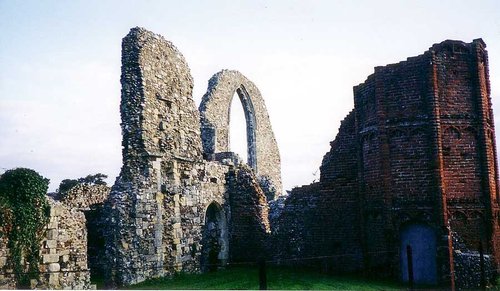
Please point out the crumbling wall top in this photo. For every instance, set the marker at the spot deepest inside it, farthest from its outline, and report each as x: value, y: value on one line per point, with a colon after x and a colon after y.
x: 85, y: 196
x: 159, y: 116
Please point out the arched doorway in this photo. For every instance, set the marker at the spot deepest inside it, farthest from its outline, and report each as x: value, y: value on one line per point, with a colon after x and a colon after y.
x: 421, y: 239
x: 215, y: 248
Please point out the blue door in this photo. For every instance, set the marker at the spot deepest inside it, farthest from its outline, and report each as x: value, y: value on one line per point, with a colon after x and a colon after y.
x: 422, y: 240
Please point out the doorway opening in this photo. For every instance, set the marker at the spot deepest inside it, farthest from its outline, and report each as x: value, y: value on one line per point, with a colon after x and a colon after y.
x: 95, y: 242
x: 215, y: 249
x: 419, y: 240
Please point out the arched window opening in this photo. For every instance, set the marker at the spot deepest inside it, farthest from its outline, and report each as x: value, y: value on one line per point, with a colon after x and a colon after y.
x: 238, y: 129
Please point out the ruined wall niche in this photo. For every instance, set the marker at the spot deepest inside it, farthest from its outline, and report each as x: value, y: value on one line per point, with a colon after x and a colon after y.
x: 263, y: 153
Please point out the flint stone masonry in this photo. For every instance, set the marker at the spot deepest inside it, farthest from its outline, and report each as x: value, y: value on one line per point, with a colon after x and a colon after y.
x: 63, y: 256
x: 90, y: 199
x: 263, y: 153
x: 155, y: 214
x: 418, y: 149
x: 468, y: 266
x: 86, y: 196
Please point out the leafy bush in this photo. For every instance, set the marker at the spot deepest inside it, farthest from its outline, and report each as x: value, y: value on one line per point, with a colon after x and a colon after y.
x: 24, y: 214
x: 5, y: 216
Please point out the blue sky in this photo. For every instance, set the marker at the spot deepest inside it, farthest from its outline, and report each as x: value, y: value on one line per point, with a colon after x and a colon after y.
x: 60, y: 68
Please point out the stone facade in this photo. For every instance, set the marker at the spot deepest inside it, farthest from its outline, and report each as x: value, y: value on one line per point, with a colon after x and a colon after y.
x: 84, y: 197
x: 416, y: 156
x: 90, y: 200
x: 171, y: 209
x: 63, y: 257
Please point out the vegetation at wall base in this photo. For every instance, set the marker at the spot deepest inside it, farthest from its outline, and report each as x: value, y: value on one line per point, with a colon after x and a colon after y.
x: 278, y: 278
x: 24, y: 213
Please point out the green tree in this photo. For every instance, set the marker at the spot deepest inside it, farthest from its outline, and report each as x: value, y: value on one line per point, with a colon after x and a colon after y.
x: 68, y: 184
x: 97, y: 179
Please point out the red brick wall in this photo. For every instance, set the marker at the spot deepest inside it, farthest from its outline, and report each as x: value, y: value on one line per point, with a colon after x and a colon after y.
x: 249, y: 224
x: 469, y: 169
x: 418, y: 147
x: 320, y: 223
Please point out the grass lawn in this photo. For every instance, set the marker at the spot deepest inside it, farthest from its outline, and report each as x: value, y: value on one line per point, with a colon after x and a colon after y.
x: 277, y: 278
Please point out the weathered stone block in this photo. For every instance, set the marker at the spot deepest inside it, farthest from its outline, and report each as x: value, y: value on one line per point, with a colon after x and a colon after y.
x: 3, y: 261
x: 50, y: 258
x: 52, y: 224
x: 55, y: 210
x: 54, y: 267
x: 52, y: 234
x: 51, y: 244
x: 54, y: 280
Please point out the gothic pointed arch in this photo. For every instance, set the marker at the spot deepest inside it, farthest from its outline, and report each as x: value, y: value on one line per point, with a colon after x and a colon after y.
x: 263, y: 153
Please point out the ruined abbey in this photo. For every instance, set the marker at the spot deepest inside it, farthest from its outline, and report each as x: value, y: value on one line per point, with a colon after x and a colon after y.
x: 413, y: 166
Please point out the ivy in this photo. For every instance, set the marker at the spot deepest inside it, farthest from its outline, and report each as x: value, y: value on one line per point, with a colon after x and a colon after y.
x: 24, y: 213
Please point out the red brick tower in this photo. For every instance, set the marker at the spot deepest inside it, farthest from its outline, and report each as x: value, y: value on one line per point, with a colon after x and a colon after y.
x: 427, y: 166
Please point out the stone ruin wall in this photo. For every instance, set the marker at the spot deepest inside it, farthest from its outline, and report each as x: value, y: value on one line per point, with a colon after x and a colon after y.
x: 419, y: 146
x: 156, y: 210
x: 90, y: 200
x: 63, y: 255
x: 153, y: 219
x: 263, y: 153
x: 85, y: 197
x: 65, y: 262
x: 162, y: 162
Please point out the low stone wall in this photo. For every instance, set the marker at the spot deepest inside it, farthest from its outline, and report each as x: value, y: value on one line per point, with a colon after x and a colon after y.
x: 468, y: 269
x: 90, y: 199
x: 468, y: 266
x: 84, y: 196
x: 63, y: 255
x: 7, y: 279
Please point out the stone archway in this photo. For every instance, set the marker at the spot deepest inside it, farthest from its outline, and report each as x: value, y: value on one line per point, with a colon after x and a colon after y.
x: 250, y: 123
x: 263, y: 153
x: 215, y: 241
x: 422, y: 240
